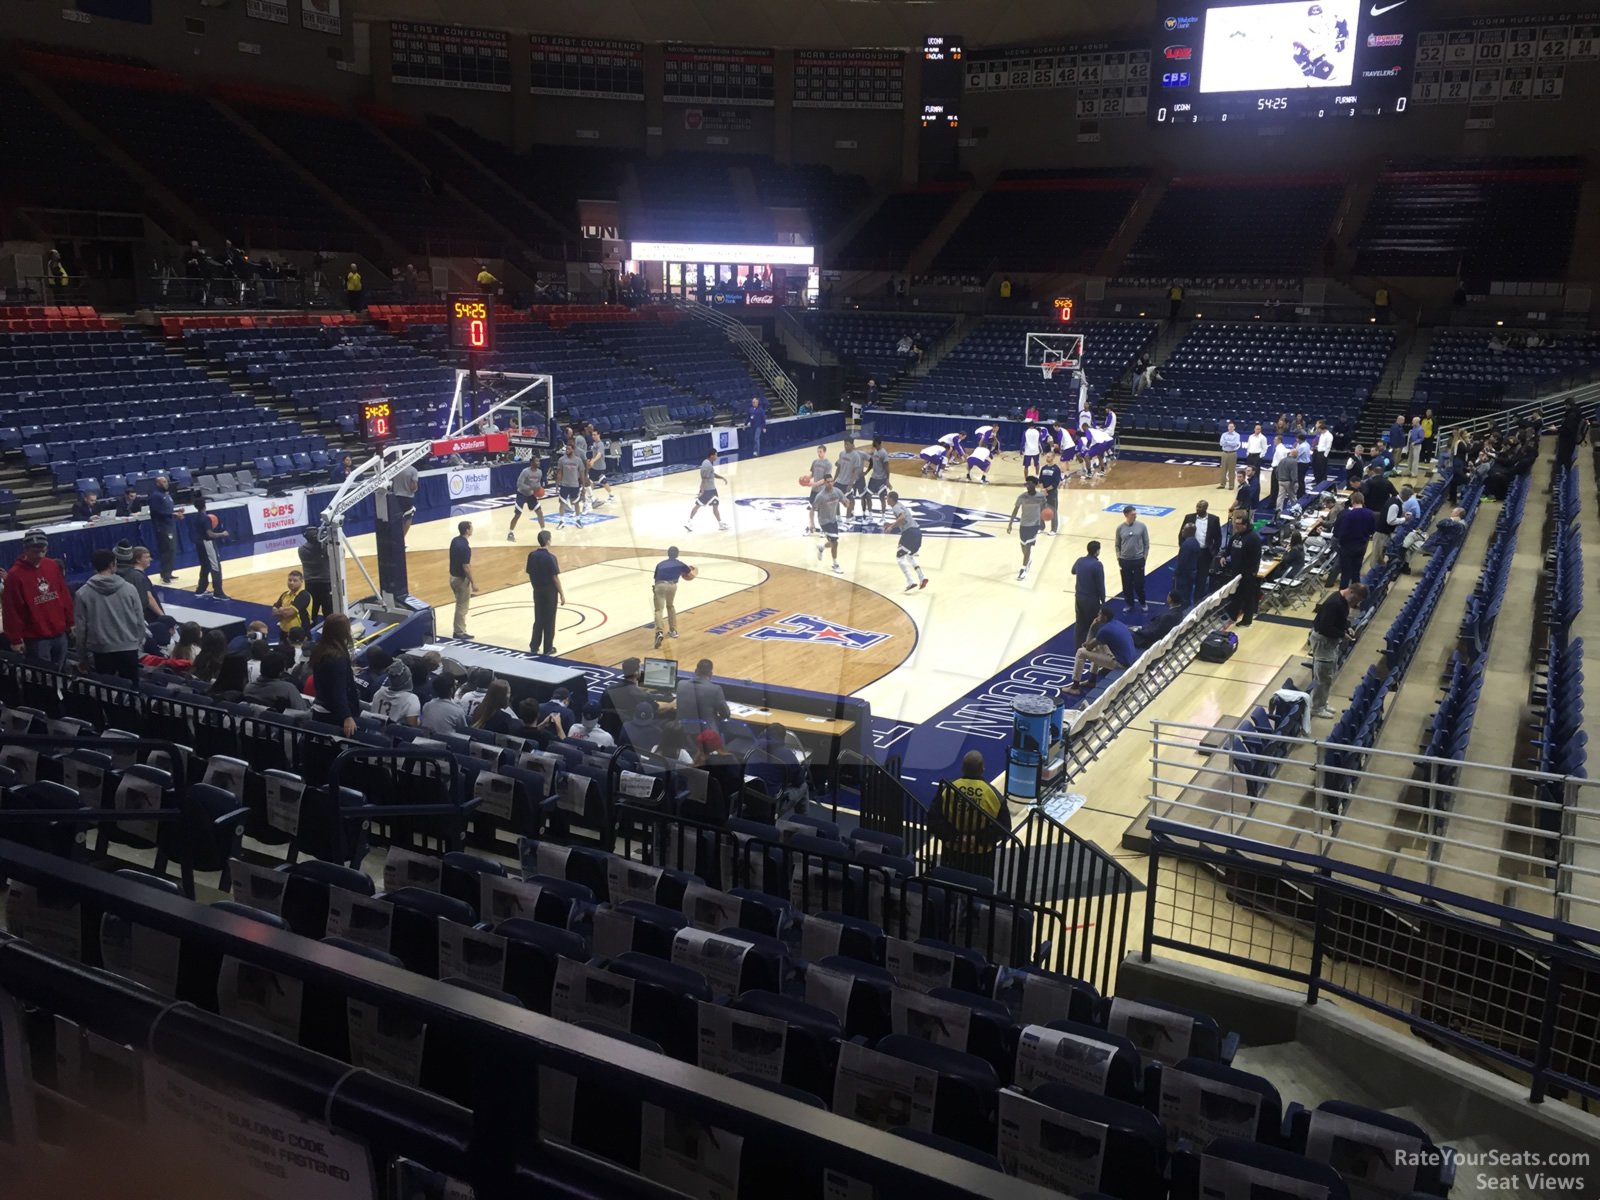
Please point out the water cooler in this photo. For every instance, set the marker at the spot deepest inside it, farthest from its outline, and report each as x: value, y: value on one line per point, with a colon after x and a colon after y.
x: 1037, y: 758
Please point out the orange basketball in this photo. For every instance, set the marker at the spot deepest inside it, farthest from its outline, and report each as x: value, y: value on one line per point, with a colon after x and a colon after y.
x: 690, y: 572
x: 538, y: 493
x: 1047, y: 514
x: 805, y: 481
x: 215, y: 520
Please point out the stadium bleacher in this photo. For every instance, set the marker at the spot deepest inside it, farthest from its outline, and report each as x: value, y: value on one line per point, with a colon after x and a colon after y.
x: 829, y: 197
x: 553, y: 177
x: 64, y: 170
x: 897, y: 227
x: 683, y: 352
x: 495, y: 197
x: 325, y: 371
x: 1469, y: 372
x: 691, y: 198
x: 1055, y: 220
x: 1475, y: 219
x: 1229, y: 227
x: 862, y: 958
x: 90, y: 403
x: 350, y: 157
x: 867, y: 341
x: 984, y: 373
x: 1246, y: 373
x: 180, y: 138
x: 595, y: 384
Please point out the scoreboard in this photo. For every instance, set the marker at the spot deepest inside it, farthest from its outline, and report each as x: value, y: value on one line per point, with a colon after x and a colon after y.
x: 376, y: 418
x: 1111, y: 79
x: 1501, y: 60
x: 1276, y: 60
x: 597, y: 67
x: 469, y: 323
x: 849, y: 79
x: 450, y: 56
x: 737, y: 74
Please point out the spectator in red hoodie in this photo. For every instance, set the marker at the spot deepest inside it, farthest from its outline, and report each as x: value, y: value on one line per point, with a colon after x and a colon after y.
x: 37, y: 605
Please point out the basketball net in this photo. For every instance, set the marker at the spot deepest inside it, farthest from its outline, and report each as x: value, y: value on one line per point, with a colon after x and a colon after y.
x: 1049, y: 366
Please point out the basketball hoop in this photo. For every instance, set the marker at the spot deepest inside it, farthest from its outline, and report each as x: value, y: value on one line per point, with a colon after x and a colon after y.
x: 1051, y: 362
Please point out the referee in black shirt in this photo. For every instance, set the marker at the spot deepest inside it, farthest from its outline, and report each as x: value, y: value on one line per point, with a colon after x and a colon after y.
x: 544, y: 573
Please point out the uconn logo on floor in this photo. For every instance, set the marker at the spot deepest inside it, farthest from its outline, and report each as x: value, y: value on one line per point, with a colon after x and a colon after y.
x: 934, y: 518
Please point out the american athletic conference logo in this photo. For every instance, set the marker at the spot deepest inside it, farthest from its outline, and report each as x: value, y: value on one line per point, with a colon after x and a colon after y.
x: 803, y: 627
x: 934, y: 519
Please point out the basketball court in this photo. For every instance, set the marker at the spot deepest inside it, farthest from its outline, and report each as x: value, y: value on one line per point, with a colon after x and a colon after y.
x: 765, y: 607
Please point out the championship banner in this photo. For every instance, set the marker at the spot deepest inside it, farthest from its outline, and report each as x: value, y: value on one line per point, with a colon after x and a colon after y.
x: 849, y: 78
x: 737, y: 74
x: 469, y: 481
x: 574, y: 66
x: 320, y: 16
x: 276, y: 11
x: 450, y: 56
x: 275, y: 514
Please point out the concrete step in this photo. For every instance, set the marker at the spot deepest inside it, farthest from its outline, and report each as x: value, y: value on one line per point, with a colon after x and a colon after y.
x: 1301, y: 1075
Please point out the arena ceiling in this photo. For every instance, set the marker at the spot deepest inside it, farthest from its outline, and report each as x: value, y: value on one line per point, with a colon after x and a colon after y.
x: 787, y: 23
x: 831, y: 23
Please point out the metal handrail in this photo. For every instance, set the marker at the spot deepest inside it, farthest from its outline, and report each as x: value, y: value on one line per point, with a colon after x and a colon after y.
x: 1555, y: 960
x: 1586, y: 396
x: 1330, y: 805
x: 784, y: 389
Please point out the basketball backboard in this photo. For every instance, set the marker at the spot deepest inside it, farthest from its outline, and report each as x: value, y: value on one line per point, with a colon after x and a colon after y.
x: 1064, y: 351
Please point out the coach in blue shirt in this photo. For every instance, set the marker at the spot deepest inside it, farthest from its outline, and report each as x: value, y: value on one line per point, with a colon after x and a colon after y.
x: 1110, y: 647
x: 1089, y: 592
x: 665, y: 592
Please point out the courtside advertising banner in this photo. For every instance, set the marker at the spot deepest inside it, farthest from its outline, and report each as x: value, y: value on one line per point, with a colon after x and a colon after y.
x: 275, y: 514
x: 648, y: 454
x: 469, y: 481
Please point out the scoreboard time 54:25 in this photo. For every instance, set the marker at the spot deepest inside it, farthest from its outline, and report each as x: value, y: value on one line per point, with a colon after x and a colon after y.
x: 470, y: 322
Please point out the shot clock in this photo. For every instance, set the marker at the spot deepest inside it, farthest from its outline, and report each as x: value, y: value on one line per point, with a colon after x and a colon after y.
x: 470, y: 323
x: 377, y: 420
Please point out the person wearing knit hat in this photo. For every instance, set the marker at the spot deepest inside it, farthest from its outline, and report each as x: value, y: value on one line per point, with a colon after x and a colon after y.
x: 396, y: 701
x: 37, y: 604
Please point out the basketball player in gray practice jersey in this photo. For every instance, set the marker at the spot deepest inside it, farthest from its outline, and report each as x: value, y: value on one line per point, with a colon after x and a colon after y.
x: 570, y: 471
x: 906, y: 552
x: 821, y: 468
x: 878, y: 478
x: 580, y: 447
x: 826, y: 505
x: 1028, y: 509
x: 708, y: 492
x: 847, y: 476
x: 529, y: 484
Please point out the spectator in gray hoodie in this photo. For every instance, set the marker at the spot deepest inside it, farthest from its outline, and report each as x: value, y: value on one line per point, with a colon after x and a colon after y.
x: 110, y: 621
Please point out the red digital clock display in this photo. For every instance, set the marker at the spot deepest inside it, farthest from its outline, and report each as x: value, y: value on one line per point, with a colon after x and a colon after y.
x: 470, y: 323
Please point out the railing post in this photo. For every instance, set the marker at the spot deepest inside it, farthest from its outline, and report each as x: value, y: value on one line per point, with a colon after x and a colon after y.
x: 1155, y: 766
x: 1150, y: 898
x: 1318, y: 927
x: 1547, y: 1031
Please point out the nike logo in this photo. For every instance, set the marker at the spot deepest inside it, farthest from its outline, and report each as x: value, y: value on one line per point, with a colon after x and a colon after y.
x: 1376, y: 11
